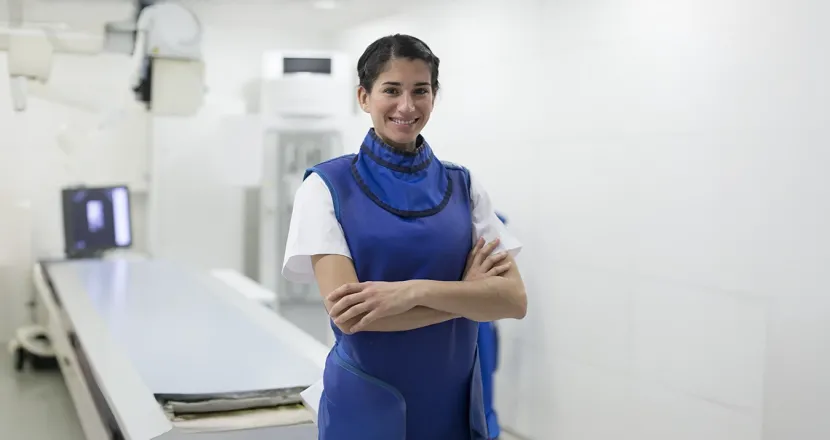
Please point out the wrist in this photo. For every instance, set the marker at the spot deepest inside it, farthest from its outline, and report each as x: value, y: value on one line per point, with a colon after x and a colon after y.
x: 414, y: 293
x: 418, y: 292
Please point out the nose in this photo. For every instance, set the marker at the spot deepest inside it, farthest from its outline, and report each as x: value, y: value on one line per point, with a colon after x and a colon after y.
x: 406, y: 104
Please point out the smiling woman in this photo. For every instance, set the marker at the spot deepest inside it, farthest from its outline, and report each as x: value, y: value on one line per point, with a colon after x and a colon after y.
x: 398, y: 93
x: 409, y: 257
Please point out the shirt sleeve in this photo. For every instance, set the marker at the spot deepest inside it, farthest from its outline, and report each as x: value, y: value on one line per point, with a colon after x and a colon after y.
x: 487, y: 224
x: 314, y: 230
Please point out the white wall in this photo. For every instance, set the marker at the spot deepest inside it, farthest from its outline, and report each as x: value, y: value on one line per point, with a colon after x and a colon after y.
x: 664, y: 163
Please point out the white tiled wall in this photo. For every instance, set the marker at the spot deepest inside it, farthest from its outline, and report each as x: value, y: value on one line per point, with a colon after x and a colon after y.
x: 658, y: 413
x: 706, y: 345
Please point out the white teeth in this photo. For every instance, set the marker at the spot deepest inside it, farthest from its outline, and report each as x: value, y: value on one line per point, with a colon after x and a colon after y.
x: 402, y: 122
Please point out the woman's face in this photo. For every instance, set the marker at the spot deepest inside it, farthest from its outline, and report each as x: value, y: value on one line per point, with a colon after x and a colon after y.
x: 400, y: 102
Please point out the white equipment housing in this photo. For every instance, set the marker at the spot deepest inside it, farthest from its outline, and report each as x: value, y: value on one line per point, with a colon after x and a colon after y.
x: 305, y: 98
x: 171, y: 32
x: 167, y: 58
x: 305, y: 84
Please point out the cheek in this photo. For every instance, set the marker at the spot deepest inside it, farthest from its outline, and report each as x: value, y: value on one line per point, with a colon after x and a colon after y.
x: 382, y: 108
x: 425, y: 109
x: 378, y: 115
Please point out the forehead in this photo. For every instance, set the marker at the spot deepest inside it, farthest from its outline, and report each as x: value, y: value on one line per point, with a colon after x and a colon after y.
x: 405, y: 71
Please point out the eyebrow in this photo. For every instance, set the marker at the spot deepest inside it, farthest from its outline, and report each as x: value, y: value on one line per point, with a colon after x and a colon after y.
x: 394, y: 83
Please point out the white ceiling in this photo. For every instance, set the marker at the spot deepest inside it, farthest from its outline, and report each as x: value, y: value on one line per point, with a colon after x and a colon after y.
x: 291, y: 14
x: 296, y: 13
x: 73, y: 12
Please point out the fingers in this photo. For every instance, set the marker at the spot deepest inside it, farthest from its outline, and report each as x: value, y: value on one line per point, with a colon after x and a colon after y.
x: 344, y: 290
x: 492, y: 261
x: 366, y: 320
x: 474, y: 251
x: 477, y: 247
x: 352, y: 313
x: 486, y: 251
x: 500, y: 269
x: 345, y: 303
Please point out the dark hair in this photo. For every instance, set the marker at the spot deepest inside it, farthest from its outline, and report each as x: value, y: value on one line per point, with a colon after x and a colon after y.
x: 374, y: 58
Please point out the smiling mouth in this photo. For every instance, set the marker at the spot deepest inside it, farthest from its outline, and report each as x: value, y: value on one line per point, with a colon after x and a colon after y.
x: 404, y: 122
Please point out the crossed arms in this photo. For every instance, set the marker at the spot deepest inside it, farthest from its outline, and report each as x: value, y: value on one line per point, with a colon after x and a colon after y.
x: 492, y: 289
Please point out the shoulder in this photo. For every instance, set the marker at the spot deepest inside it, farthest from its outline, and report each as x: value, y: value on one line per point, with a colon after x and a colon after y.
x: 487, y: 223
x: 336, y: 164
x: 313, y: 229
x: 321, y: 182
x: 312, y: 187
x: 477, y: 191
x: 452, y: 165
x: 454, y: 168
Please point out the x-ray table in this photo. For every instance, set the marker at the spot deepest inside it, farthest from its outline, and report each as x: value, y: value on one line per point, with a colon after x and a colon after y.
x: 130, y: 334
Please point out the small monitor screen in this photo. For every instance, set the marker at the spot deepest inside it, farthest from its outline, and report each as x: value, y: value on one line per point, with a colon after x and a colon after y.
x: 307, y: 65
x: 96, y: 219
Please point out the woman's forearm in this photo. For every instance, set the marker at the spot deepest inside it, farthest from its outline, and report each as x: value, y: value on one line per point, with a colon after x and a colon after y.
x: 483, y: 300
x: 412, y: 319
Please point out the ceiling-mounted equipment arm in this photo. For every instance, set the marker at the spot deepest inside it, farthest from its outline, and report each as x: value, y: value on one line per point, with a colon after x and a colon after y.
x: 164, y: 45
x: 172, y: 33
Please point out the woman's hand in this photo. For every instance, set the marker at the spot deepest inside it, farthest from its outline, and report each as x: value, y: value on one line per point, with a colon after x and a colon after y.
x: 482, y: 263
x: 360, y: 304
x: 369, y: 302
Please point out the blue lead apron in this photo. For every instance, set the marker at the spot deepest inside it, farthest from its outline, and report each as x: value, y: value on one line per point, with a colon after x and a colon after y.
x: 488, y: 351
x: 405, y: 216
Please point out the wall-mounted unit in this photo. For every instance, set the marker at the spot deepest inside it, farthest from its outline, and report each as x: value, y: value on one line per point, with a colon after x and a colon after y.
x: 306, y: 84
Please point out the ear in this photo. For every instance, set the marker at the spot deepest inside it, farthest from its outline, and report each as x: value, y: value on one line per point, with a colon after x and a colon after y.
x: 363, y: 98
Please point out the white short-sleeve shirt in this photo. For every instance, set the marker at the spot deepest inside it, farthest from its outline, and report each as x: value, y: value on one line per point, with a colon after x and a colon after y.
x: 314, y: 228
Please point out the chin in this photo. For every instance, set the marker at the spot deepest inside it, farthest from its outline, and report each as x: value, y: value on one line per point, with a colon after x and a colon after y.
x: 401, y: 135
x: 400, y: 139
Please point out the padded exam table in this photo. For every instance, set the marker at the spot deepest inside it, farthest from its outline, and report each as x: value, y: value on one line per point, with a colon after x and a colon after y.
x: 153, y: 350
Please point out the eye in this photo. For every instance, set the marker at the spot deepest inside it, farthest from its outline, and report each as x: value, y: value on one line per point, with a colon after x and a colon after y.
x: 422, y: 91
x: 391, y: 91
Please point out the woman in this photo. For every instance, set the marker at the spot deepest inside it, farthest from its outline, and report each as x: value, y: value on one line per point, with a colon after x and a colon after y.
x: 395, y: 240
x: 488, y: 353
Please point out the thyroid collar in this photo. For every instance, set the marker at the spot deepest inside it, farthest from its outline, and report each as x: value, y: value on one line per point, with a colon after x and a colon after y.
x: 407, y: 184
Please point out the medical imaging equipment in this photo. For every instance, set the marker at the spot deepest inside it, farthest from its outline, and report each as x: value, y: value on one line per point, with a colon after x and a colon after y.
x: 305, y: 97
x: 96, y: 220
x: 150, y: 349
x: 163, y: 40
x: 153, y: 349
